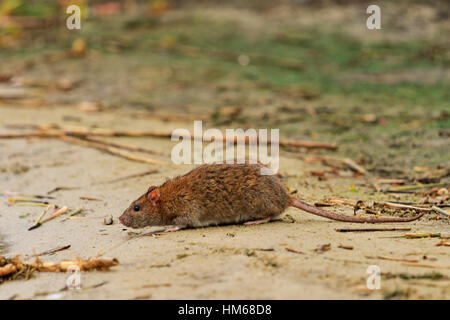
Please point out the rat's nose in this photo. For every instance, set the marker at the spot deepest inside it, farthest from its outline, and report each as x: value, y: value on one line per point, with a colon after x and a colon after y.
x: 123, y: 220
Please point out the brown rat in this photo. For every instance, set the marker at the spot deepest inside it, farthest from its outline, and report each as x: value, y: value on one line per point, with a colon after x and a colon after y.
x: 216, y: 194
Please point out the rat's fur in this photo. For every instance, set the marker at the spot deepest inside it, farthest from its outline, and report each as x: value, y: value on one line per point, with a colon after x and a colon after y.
x: 211, y: 195
x: 216, y: 194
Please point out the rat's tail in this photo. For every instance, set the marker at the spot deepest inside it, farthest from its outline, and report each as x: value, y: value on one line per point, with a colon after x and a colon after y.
x: 339, y: 217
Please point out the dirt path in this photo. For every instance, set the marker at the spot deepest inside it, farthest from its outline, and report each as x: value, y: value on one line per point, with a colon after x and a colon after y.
x: 210, y: 263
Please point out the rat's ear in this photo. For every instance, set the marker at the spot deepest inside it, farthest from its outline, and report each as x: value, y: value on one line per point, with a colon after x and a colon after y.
x: 153, y: 196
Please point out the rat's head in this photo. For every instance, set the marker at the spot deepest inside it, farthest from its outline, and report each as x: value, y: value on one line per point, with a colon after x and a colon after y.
x: 143, y: 212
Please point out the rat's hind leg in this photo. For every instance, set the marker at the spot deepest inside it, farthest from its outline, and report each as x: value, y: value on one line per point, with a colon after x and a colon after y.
x: 261, y: 221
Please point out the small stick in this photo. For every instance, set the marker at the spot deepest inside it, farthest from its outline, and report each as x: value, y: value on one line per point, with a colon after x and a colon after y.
x: 35, y: 196
x: 393, y: 259
x: 65, y: 288
x: 53, y: 250
x: 329, y: 202
x: 345, y: 247
x: 14, y: 200
x: 124, y: 146
x: 372, y: 229
x: 402, y: 206
x: 44, y: 134
x: 145, y: 173
x: 63, y: 266
x: 73, y: 213
x: 61, y: 188
x: 415, y: 187
x: 290, y: 249
x: 38, y: 221
x: 78, y: 211
x: 441, y: 211
x: 26, y: 204
x: 426, y: 266
x: 155, y: 232
x: 353, y: 165
x: 55, y: 214
x: 323, y: 248
x: 89, y: 198
x: 422, y: 235
x: 110, y: 150
x: 444, y: 243
x: 391, y: 181
x: 98, y: 285
x: 156, y: 285
x: 403, y: 202
x: 354, y: 203
x: 82, y: 132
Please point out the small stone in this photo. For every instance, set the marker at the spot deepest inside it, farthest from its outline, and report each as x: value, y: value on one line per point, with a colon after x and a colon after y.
x: 108, y: 220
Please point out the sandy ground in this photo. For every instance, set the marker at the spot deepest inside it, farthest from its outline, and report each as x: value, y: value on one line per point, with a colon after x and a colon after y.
x: 209, y: 263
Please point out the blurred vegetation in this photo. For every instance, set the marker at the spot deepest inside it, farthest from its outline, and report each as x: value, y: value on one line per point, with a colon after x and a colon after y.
x: 184, y: 56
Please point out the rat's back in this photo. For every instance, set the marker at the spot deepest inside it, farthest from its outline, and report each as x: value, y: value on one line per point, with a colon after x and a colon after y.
x: 223, y: 193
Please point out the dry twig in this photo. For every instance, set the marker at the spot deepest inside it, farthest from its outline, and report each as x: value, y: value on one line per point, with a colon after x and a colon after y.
x: 60, y: 132
x: 53, y: 250
x: 137, y: 175
x: 441, y: 211
x: 106, y: 148
x: 290, y: 249
x: 372, y: 229
x: 394, y: 259
x: 123, y: 146
x: 11, y: 268
x: 402, y: 206
x: 38, y: 222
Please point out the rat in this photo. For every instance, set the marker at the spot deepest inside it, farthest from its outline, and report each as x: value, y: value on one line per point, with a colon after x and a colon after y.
x: 217, y: 194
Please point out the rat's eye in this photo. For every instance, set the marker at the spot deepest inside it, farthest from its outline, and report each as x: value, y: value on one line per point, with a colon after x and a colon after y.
x: 137, y: 208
